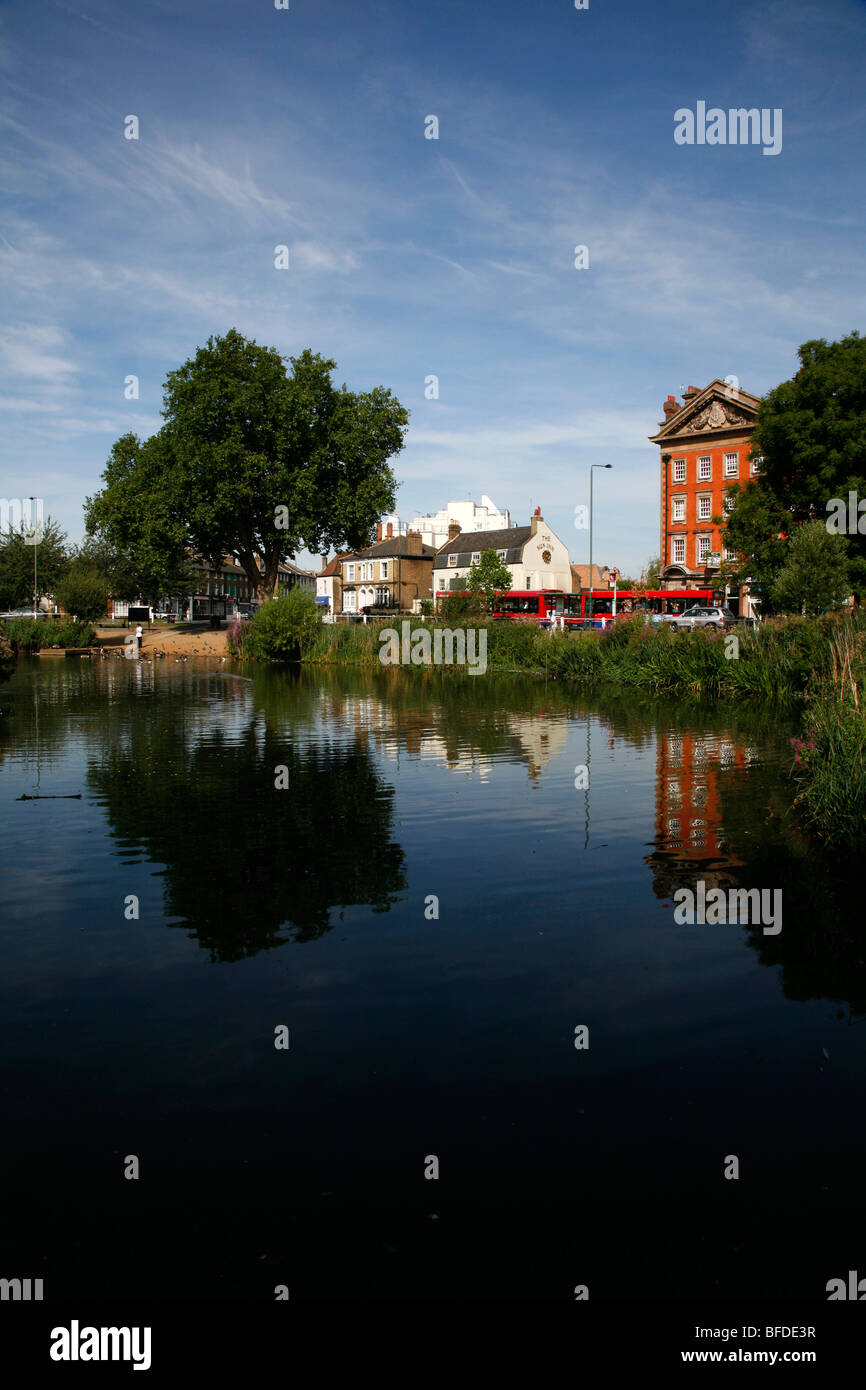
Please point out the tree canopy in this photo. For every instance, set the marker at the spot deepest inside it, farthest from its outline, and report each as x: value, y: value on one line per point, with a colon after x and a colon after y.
x: 16, y: 564
x: 253, y: 461
x: 811, y: 435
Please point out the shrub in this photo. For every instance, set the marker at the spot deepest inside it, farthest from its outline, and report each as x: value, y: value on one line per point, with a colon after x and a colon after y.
x: 84, y: 593
x: 279, y: 630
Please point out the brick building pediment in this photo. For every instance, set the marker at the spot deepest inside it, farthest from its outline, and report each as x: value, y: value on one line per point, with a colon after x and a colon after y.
x: 716, y: 409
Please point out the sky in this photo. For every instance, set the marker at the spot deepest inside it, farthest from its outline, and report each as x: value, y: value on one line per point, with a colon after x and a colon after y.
x: 412, y: 257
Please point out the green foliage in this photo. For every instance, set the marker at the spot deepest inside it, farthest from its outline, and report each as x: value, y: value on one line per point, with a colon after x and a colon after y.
x: 489, y: 577
x: 814, y: 577
x: 16, y: 564
x: 829, y: 762
x: 459, y: 606
x: 811, y: 432
x: 281, y: 629
x: 426, y: 608
x: 7, y: 657
x: 83, y: 592
x: 29, y: 635
x: 253, y: 463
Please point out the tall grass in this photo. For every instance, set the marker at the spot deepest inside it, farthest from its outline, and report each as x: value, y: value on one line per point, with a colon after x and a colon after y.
x: 830, y: 758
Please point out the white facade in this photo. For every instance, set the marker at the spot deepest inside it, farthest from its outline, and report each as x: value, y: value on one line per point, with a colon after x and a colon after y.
x: 543, y: 564
x: 433, y: 526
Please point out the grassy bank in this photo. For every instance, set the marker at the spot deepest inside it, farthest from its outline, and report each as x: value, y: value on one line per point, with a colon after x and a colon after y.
x: 779, y: 660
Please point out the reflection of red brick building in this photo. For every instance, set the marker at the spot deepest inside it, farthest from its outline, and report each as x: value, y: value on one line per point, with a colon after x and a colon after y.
x: 689, y: 832
x: 705, y: 444
x: 688, y: 807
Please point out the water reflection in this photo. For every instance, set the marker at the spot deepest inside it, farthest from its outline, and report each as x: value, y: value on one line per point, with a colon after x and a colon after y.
x: 182, y: 759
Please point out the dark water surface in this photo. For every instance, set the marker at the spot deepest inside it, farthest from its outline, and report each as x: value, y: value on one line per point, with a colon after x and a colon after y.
x: 412, y: 1035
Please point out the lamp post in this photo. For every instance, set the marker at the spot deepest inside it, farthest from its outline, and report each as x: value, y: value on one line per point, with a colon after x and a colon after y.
x: 591, y: 467
x: 35, y: 545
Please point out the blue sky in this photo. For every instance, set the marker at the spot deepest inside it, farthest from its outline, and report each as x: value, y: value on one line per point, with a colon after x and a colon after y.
x: 410, y: 256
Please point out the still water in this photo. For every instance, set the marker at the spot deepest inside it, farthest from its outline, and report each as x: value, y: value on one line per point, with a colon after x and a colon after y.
x: 432, y: 907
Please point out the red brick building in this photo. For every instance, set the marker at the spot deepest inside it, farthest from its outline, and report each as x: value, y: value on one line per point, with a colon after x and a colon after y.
x: 705, y: 444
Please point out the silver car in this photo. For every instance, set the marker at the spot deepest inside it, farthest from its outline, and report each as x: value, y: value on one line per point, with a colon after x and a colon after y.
x: 698, y: 617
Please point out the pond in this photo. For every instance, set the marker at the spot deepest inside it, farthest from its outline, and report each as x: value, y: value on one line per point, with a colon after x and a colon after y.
x: 377, y: 983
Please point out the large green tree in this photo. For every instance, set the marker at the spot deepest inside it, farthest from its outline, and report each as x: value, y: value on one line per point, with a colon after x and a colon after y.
x: 253, y: 461
x: 16, y: 563
x: 811, y: 434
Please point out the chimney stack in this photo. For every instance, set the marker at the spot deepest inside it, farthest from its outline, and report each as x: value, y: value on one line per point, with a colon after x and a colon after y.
x: 670, y: 408
x: 453, y: 530
x: 379, y: 530
x: 691, y: 391
x: 536, y: 521
x: 413, y: 543
x: 390, y: 535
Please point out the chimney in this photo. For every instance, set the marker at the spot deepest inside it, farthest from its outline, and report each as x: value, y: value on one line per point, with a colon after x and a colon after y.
x: 691, y: 391
x: 413, y: 543
x: 390, y: 535
x: 670, y: 407
x: 536, y: 521
x: 325, y: 561
x: 453, y: 530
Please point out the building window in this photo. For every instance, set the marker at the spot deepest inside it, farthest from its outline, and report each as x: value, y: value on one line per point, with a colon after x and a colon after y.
x: 730, y: 555
x: 678, y: 512
x: 382, y: 596
x: 705, y: 508
x: 728, y: 503
x: 350, y: 574
x: 349, y: 602
x: 501, y: 554
x: 705, y: 467
x: 703, y: 548
x: 732, y: 465
x: 756, y: 463
x: 679, y: 470
x: 476, y: 557
x: 383, y: 570
x: 441, y: 583
x: 678, y: 550
x: 452, y: 561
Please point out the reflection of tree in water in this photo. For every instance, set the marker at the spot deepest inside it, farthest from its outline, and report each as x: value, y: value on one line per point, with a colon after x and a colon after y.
x: 249, y: 866
x: 749, y: 839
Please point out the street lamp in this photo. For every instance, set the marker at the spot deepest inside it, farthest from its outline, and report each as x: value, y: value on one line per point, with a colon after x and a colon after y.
x: 591, y: 466
x: 35, y: 546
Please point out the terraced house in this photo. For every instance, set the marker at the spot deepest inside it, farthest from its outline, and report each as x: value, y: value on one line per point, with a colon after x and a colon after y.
x: 389, y: 575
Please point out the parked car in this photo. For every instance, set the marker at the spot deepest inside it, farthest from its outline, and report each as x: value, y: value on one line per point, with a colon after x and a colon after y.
x: 699, y: 617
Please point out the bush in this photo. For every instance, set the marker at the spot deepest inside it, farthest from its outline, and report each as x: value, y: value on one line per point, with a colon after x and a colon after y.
x: 29, y: 635
x: 84, y: 593
x: 280, y: 629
